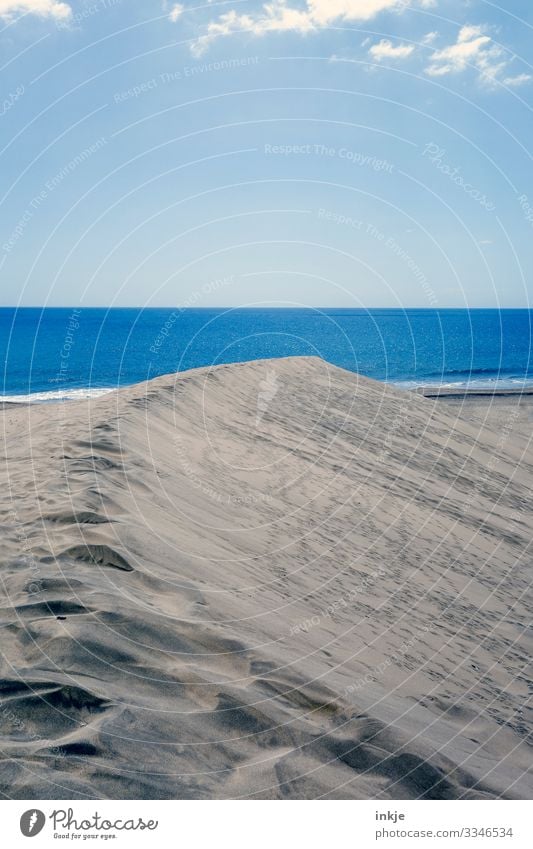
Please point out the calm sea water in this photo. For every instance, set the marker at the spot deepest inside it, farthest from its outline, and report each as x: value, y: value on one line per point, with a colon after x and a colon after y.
x: 62, y: 353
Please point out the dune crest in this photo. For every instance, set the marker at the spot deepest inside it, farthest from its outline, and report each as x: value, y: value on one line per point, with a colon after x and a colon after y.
x: 274, y: 579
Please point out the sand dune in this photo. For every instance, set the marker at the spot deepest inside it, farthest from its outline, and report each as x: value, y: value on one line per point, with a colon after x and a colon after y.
x: 265, y: 580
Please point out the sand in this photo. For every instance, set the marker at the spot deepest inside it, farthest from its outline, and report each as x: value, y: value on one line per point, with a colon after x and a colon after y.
x: 269, y: 580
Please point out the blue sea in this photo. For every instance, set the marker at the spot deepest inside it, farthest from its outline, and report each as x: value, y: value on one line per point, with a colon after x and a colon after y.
x: 56, y: 354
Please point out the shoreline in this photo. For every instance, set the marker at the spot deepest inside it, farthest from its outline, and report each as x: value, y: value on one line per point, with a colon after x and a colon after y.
x: 430, y: 391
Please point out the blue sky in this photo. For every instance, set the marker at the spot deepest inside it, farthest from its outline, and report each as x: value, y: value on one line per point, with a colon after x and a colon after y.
x: 340, y: 153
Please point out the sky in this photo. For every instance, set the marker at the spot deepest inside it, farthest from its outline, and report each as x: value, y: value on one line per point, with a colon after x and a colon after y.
x: 350, y: 153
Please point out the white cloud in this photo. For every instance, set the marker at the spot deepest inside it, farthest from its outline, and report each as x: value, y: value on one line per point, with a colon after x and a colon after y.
x: 176, y: 12
x: 324, y: 12
x: 280, y: 16
x: 470, y: 46
x: 520, y: 79
x: 385, y: 49
x: 44, y: 8
x: 474, y: 49
x: 430, y: 37
x: 277, y: 18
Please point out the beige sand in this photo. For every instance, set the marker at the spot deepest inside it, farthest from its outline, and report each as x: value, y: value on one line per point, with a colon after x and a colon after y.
x: 267, y: 580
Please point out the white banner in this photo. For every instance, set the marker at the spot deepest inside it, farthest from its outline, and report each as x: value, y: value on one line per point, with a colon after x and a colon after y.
x: 264, y: 825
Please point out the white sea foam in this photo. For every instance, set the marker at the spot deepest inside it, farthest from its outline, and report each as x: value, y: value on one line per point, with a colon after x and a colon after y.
x: 55, y: 396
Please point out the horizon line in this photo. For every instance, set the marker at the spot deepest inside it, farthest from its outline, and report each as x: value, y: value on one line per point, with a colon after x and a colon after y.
x: 227, y: 307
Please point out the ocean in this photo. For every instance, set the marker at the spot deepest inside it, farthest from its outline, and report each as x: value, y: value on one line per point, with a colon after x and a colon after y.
x: 58, y: 354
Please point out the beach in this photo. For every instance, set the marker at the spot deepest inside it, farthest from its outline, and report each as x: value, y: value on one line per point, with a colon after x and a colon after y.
x: 266, y: 580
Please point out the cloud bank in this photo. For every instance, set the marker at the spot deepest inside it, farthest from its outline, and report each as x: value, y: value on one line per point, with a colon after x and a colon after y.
x: 280, y: 16
x: 43, y: 8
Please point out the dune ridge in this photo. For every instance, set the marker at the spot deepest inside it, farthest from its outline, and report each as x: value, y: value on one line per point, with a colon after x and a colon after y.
x: 274, y: 579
